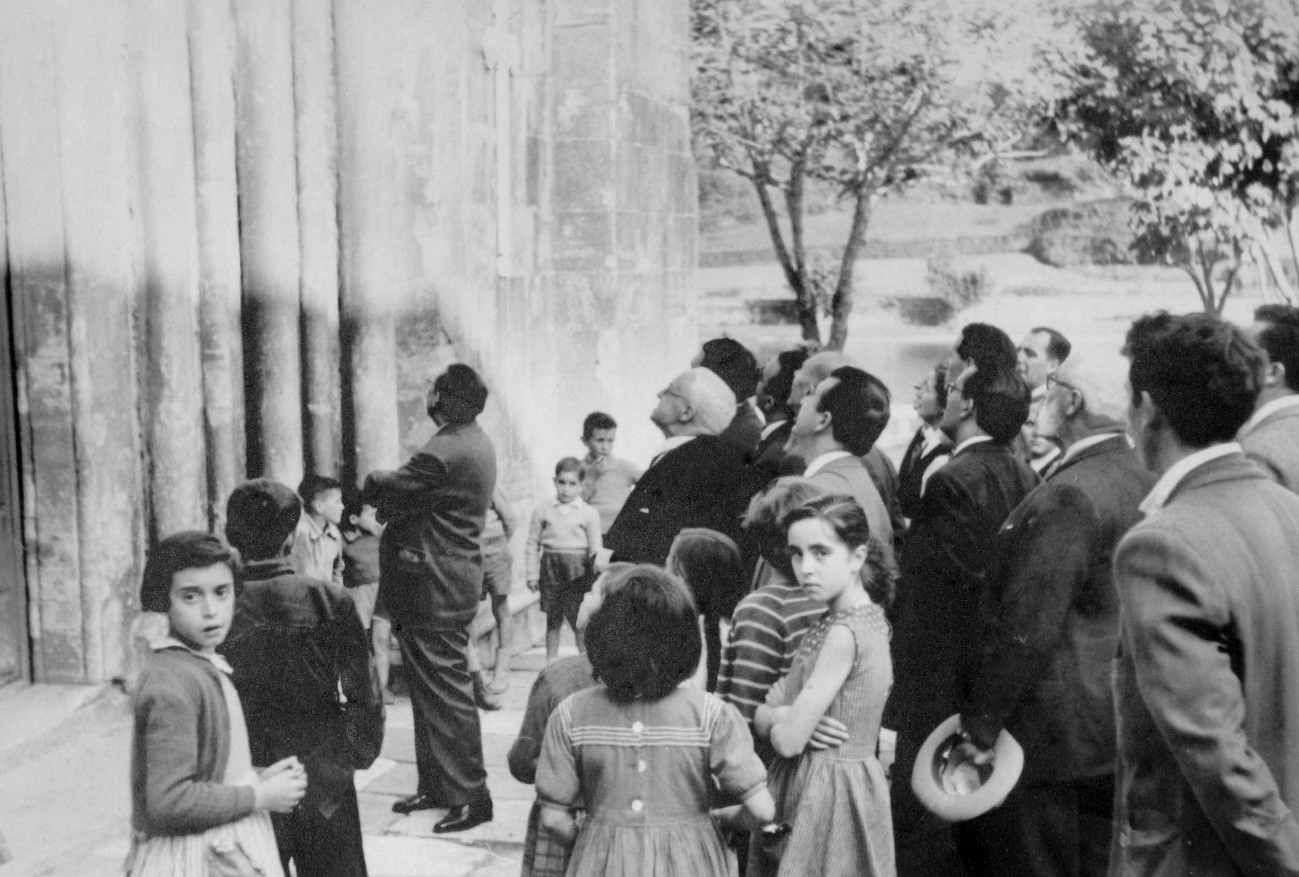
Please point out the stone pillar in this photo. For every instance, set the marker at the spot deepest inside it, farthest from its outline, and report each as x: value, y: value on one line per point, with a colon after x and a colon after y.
x: 211, y: 64
x: 368, y: 181
x: 34, y: 198
x: 167, y: 215
x: 268, y: 205
x: 313, y: 74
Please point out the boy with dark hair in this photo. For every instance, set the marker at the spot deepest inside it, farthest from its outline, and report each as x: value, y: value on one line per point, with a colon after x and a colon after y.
x: 736, y: 365
x: 608, y: 480
x: 563, y: 542
x: 302, y: 666
x: 317, y: 549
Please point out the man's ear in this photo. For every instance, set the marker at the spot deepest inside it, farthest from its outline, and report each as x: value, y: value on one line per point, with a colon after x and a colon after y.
x: 1155, y: 418
x: 687, y: 412
x: 823, y: 421
x: 1274, y: 374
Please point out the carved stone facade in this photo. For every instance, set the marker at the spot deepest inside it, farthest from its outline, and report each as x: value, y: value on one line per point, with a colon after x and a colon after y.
x: 241, y: 237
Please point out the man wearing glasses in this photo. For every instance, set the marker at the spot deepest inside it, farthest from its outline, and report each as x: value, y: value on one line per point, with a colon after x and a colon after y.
x: 1049, y: 632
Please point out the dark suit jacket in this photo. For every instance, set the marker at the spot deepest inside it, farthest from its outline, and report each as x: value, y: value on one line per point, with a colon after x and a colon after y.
x: 885, y: 476
x: 744, y: 429
x: 1051, y: 617
x: 935, y: 619
x: 911, y: 473
x: 1206, y: 684
x: 703, y: 483
x: 850, y: 475
x: 430, y: 557
x: 1274, y: 444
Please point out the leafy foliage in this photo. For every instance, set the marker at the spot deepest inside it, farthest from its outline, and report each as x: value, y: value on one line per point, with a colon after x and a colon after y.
x: 865, y: 95
x: 1197, y: 101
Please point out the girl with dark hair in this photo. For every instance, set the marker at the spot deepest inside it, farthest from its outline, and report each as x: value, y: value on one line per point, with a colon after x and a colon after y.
x: 710, y: 565
x: 198, y: 806
x: 823, y: 719
x: 642, y: 753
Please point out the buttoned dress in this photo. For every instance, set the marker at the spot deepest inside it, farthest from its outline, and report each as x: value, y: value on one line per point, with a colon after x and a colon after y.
x: 645, y: 772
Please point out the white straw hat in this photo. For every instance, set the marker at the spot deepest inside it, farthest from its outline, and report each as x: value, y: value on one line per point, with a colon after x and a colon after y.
x: 960, y: 791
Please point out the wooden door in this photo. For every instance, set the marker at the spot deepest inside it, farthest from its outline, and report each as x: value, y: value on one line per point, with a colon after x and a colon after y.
x: 14, y: 644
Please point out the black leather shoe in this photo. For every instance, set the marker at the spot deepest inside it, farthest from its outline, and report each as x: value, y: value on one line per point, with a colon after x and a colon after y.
x: 415, y: 802
x: 464, y: 817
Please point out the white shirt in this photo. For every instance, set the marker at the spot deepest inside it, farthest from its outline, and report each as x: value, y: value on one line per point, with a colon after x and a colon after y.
x: 824, y: 460
x: 1176, y: 474
x: 931, y: 437
x: 1288, y: 401
x: 970, y: 442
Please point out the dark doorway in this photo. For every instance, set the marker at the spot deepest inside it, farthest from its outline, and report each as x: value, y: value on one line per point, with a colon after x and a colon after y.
x: 14, y: 643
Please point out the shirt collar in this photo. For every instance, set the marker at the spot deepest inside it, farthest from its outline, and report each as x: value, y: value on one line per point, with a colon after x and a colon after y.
x: 932, y: 437
x: 671, y: 444
x: 824, y: 460
x: 771, y: 427
x: 1290, y: 400
x: 171, y: 642
x: 1042, y: 463
x: 971, y: 442
x: 1090, y: 441
x: 567, y: 507
x: 1176, y: 474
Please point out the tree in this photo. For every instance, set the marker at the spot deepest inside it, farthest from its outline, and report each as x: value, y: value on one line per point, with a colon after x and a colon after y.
x: 1197, y: 102
x: 863, y: 95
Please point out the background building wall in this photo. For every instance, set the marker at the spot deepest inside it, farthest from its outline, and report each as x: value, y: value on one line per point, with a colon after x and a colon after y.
x: 242, y: 237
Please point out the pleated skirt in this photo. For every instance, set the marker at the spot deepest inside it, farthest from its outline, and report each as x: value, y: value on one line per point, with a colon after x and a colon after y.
x: 186, y: 855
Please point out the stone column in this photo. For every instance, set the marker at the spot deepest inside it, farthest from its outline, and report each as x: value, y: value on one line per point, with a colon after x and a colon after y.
x: 313, y: 74
x: 268, y: 205
x: 369, y: 187
x: 159, y: 71
x: 211, y: 64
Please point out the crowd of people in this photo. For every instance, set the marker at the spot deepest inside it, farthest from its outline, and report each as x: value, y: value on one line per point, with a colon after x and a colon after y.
x: 1092, y: 552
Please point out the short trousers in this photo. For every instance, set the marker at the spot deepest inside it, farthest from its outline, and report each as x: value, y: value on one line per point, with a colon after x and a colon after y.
x: 365, y: 596
x: 498, y: 568
x: 565, y: 579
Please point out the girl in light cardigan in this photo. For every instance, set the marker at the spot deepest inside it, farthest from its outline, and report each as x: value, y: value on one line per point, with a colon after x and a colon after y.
x: 197, y: 805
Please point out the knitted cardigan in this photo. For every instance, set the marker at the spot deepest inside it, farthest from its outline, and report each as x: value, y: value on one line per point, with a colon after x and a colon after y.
x: 179, y: 749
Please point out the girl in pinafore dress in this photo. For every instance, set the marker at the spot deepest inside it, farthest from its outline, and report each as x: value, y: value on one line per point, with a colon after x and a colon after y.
x: 641, y: 752
x: 194, y: 794
x: 823, y: 718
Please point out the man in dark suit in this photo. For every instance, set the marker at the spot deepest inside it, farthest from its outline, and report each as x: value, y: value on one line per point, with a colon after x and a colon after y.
x: 1271, y: 437
x: 431, y: 577
x: 772, y: 397
x: 1204, y: 683
x: 1049, y: 633
x: 944, y: 566
x: 695, y: 480
x: 738, y: 368
x: 930, y: 448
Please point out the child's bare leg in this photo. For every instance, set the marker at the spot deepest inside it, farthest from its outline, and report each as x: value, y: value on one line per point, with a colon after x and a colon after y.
x: 381, y: 642
x: 581, y: 641
x: 504, y: 641
x: 552, y: 638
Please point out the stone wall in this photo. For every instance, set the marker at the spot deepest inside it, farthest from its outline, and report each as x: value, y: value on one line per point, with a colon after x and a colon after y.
x: 243, y: 236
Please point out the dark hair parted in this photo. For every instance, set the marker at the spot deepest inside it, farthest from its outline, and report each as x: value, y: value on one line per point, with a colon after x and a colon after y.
x: 1203, y: 373
x: 597, y: 420
x: 462, y: 395
x: 1279, y: 338
x: 986, y: 346
x: 710, y: 564
x: 353, y: 502
x: 734, y: 364
x: 570, y: 464
x: 846, y: 519
x: 1057, y: 346
x: 188, y: 549
x: 260, y: 516
x: 859, y: 408
x: 1001, y: 401
x: 313, y: 485
x: 644, y: 641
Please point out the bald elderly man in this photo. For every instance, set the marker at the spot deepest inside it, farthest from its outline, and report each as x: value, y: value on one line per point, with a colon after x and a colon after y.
x: 695, y: 478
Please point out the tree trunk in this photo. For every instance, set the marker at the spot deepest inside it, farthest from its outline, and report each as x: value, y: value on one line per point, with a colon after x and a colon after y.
x: 795, y: 273
x: 841, y: 303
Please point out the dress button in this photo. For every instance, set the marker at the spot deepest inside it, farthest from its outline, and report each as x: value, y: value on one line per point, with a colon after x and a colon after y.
x: 640, y: 766
x: 637, y: 806
x: 637, y: 727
